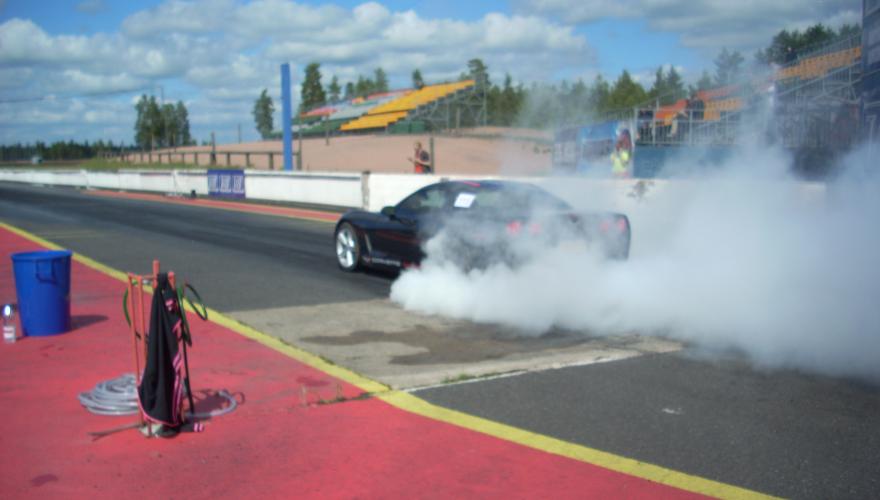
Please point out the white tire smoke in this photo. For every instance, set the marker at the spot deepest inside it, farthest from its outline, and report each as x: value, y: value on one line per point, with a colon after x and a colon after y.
x: 744, y: 258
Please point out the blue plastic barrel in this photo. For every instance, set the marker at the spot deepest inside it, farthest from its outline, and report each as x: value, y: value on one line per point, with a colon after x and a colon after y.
x: 42, y: 283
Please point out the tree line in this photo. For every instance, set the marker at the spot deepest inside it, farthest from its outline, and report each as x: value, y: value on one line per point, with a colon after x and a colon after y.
x: 59, y: 150
x: 161, y: 126
x: 786, y: 46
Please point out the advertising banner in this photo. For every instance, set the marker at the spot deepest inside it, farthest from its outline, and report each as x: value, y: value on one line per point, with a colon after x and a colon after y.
x: 226, y: 183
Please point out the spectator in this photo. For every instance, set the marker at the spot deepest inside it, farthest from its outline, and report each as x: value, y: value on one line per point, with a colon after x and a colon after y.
x: 622, y: 155
x: 421, y: 160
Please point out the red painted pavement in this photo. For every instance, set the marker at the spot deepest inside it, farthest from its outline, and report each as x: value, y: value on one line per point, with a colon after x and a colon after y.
x: 300, y: 213
x: 271, y: 446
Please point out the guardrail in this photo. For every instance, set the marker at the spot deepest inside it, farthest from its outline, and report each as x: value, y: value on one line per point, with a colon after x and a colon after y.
x: 203, y: 158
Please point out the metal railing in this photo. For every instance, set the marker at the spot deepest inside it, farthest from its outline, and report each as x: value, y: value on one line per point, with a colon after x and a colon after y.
x: 821, y: 49
x: 206, y: 158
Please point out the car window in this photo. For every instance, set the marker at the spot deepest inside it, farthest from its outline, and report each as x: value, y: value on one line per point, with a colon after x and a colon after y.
x: 425, y: 200
x: 517, y: 198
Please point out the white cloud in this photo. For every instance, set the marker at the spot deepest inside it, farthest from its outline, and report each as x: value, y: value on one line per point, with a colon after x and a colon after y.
x: 283, y: 18
x: 221, y: 53
x: 91, y: 83
x: 706, y: 24
x: 22, y: 41
x: 178, y: 16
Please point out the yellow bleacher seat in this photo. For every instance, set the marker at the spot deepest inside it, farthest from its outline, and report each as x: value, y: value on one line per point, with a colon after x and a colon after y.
x: 385, y: 114
x: 818, y: 66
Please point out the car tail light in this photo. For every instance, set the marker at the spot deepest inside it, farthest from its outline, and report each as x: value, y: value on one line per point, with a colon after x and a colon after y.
x: 622, y: 225
x: 514, y: 227
x: 534, y: 228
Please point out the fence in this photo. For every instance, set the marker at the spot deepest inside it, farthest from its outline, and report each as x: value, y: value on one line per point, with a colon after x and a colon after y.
x: 264, y: 159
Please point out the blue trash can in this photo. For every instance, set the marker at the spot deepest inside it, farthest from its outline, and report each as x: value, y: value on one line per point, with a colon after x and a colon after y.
x: 42, y: 283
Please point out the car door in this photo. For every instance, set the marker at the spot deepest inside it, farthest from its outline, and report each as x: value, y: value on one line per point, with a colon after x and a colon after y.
x: 415, y: 219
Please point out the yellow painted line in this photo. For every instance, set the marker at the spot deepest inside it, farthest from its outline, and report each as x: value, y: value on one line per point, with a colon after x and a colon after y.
x: 418, y: 406
x: 628, y: 466
x: 76, y: 256
x: 298, y: 354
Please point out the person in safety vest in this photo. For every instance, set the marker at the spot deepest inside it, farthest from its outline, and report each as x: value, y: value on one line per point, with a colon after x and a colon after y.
x: 621, y: 158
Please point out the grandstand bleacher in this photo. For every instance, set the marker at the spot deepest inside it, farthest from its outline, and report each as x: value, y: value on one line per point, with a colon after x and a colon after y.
x: 819, y: 65
x: 714, y: 109
x: 667, y: 114
x: 384, y: 115
x: 328, y: 119
x: 813, y: 103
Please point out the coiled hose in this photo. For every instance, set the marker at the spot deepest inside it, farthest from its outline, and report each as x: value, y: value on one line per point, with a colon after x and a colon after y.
x: 118, y: 396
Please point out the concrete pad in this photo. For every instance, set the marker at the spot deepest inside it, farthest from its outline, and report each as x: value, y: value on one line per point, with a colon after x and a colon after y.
x: 379, y: 339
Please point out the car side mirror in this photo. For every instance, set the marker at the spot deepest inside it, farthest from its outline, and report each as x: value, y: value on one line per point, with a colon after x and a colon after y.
x: 388, y: 212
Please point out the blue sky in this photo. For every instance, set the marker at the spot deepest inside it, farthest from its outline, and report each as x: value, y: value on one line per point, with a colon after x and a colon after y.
x: 86, y: 60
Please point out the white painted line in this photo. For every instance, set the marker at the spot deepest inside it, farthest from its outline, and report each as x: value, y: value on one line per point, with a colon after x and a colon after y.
x: 554, y: 366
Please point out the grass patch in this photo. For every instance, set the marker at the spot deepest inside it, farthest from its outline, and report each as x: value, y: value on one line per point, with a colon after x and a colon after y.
x: 101, y: 164
x: 464, y: 377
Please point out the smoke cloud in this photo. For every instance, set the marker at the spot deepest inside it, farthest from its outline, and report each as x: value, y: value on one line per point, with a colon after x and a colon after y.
x: 744, y: 257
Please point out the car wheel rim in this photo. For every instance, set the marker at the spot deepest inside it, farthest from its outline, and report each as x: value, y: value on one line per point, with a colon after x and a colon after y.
x: 346, y: 249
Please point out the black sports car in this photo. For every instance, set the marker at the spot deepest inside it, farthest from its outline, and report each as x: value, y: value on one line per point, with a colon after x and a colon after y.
x: 481, y: 221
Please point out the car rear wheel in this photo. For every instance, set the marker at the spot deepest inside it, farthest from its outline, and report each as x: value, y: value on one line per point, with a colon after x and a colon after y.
x: 348, y: 250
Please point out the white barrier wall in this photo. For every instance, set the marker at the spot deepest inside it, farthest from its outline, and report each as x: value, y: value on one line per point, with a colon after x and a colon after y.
x: 343, y: 190
x: 388, y: 189
x: 187, y: 181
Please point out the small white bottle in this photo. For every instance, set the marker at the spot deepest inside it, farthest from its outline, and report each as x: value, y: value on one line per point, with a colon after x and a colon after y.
x: 9, y: 323
x: 9, y: 334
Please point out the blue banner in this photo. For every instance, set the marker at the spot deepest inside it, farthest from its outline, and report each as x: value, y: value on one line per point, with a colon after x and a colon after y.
x: 603, y: 148
x: 226, y: 183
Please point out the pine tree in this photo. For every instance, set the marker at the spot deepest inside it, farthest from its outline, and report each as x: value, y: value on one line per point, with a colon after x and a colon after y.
x: 154, y: 123
x: 626, y: 92
x: 263, y: 110
x: 659, y: 86
x: 363, y: 87
x: 479, y: 72
x: 141, y: 126
x: 510, y: 103
x: 728, y: 67
x: 333, y: 89
x: 417, y: 80
x: 312, y: 94
x: 170, y: 127
x: 182, y: 115
x: 600, y: 94
x: 381, y: 80
x: 704, y: 83
x: 674, y: 86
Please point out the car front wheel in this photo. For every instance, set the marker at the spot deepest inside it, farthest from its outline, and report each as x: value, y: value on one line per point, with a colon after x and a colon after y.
x: 348, y: 251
